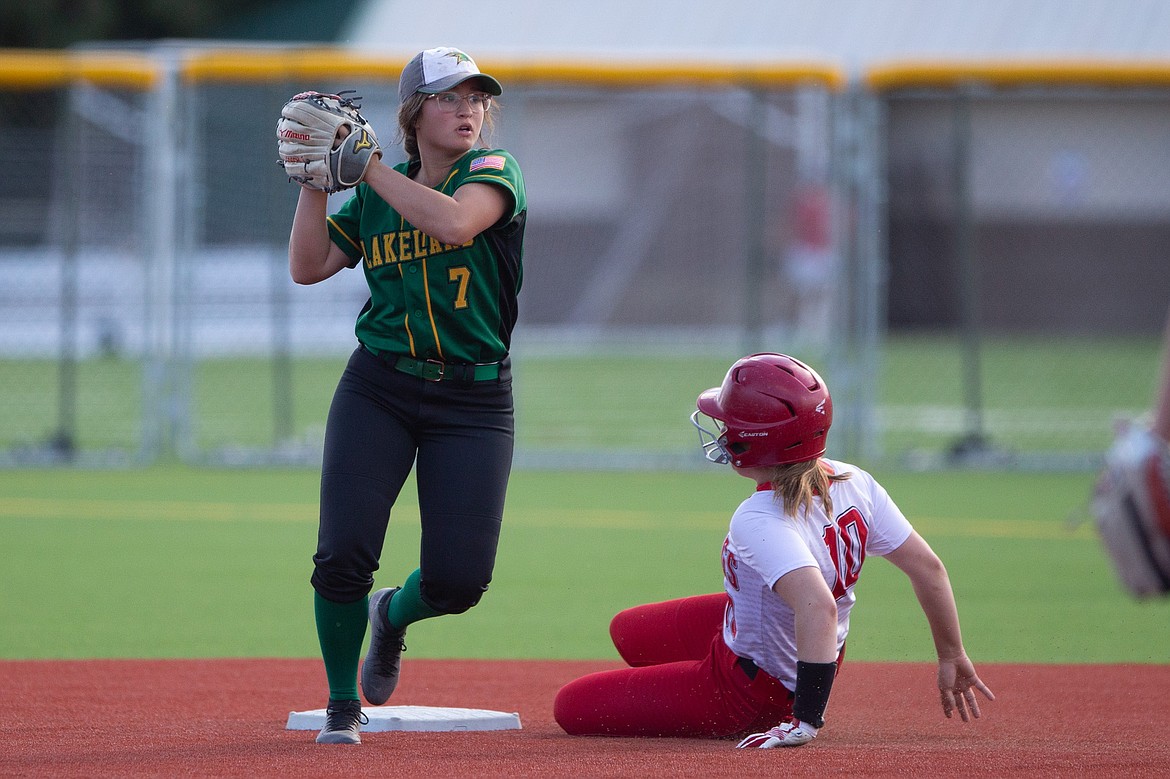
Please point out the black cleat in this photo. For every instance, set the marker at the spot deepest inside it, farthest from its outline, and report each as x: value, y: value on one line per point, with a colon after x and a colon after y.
x: 343, y: 723
x: 380, y: 670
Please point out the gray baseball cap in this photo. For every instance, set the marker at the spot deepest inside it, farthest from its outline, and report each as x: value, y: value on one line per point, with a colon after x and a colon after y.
x: 440, y: 69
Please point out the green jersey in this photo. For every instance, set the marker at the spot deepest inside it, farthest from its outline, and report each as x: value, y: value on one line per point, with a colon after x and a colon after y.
x: 433, y: 300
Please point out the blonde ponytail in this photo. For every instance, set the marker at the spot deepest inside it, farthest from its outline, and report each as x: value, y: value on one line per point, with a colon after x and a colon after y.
x: 797, y: 484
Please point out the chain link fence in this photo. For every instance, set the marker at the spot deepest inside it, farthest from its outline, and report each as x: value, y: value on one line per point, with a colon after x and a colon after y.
x: 1028, y: 220
x: 678, y: 219
x: 1007, y: 225
x: 73, y: 276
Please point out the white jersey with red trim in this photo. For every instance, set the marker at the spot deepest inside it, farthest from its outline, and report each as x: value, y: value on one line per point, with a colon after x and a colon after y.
x: 763, y: 544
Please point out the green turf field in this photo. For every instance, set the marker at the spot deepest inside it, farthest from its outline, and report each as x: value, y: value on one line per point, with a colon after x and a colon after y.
x: 1038, y: 394
x: 183, y: 562
x: 173, y: 561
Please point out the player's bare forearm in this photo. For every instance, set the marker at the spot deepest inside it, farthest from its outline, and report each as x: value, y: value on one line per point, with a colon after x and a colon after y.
x: 452, y: 220
x: 937, y: 599
x: 309, y: 247
x: 805, y: 591
x: 932, y: 588
x: 957, y: 679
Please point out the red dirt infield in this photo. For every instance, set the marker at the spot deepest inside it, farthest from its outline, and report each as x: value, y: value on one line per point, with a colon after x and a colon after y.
x: 226, y: 718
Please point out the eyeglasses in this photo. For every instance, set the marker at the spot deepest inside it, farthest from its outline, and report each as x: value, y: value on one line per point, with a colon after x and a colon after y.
x: 448, y: 102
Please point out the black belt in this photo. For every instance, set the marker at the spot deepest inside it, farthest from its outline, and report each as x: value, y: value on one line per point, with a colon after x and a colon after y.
x: 752, y: 671
x: 458, y: 372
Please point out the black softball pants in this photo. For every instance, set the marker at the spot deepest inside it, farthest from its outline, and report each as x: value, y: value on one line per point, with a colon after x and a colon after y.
x: 458, y: 437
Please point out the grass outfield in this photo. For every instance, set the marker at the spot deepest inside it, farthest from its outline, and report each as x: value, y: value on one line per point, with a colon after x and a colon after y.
x: 1039, y: 394
x: 181, y: 562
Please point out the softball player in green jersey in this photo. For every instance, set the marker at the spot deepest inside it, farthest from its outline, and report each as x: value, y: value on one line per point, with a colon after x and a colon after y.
x: 429, y: 386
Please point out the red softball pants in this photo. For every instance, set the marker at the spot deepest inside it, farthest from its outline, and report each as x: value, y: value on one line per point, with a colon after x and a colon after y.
x: 682, y: 681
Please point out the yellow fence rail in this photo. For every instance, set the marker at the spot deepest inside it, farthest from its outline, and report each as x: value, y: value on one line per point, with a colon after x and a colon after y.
x: 1061, y: 73
x: 48, y: 68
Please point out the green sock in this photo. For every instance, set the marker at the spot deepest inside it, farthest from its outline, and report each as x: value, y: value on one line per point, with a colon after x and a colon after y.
x: 407, y: 605
x: 341, y: 628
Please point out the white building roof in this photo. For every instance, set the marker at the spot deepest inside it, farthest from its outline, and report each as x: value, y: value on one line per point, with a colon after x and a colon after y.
x: 853, y: 34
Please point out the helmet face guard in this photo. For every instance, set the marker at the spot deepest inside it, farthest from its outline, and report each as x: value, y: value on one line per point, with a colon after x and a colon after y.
x: 770, y: 410
x: 714, y: 444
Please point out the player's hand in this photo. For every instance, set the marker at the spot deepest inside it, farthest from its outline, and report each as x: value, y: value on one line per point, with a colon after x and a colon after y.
x: 957, y: 683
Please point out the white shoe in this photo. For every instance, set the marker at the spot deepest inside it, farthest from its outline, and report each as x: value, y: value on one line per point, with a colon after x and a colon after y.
x: 786, y: 734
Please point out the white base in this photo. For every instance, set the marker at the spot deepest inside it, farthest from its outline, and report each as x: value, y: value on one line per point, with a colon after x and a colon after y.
x: 426, y: 719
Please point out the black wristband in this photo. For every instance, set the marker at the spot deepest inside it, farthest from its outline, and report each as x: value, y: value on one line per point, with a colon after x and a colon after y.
x: 814, y: 682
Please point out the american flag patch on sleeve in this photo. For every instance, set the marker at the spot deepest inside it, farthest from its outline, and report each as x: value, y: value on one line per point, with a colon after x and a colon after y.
x: 494, y: 161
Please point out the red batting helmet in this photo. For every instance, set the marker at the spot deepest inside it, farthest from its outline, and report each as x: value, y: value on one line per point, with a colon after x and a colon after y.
x: 772, y: 409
